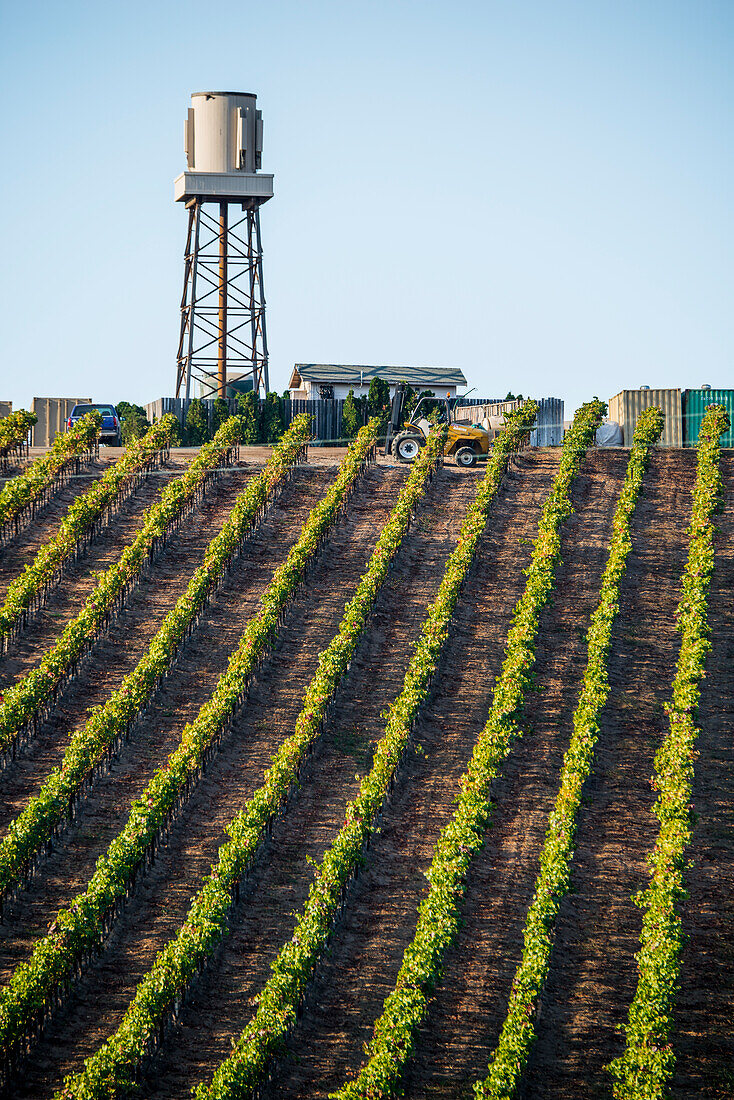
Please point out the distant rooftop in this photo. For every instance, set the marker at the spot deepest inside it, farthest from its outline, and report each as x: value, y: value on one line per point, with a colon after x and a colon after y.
x: 351, y: 375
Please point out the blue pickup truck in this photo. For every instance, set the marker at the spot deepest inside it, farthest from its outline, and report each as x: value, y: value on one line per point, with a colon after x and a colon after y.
x: 111, y: 429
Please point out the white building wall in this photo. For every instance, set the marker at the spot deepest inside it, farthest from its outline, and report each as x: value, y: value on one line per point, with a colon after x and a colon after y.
x: 311, y: 391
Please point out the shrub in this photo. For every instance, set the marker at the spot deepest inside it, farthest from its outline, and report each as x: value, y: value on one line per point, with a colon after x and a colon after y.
x: 220, y: 413
x: 196, y: 429
x: 249, y: 413
x: 351, y: 417
x: 271, y: 424
x: 378, y: 398
x: 135, y: 421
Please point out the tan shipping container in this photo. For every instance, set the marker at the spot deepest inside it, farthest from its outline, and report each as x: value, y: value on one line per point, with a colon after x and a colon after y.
x: 52, y: 413
x: 626, y: 406
x: 6, y: 407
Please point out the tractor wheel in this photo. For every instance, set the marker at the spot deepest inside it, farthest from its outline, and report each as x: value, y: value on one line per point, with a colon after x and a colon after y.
x: 465, y: 457
x: 406, y: 447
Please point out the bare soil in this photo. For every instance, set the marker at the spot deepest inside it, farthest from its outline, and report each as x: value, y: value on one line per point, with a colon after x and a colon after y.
x: 703, y: 1038
x: 162, y: 896
x: 22, y: 549
x: 369, y: 942
x: 117, y: 652
x: 60, y: 877
x: 222, y: 1004
x: 593, y: 975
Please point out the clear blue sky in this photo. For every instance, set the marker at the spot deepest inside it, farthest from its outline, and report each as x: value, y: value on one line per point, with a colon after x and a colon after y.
x: 537, y: 192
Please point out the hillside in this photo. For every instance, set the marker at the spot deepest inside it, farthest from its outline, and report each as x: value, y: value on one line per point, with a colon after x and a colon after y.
x: 592, y: 974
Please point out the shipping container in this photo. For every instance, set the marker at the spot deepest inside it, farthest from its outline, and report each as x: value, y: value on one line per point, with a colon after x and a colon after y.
x: 6, y: 407
x: 626, y: 406
x: 694, y: 407
x: 52, y: 413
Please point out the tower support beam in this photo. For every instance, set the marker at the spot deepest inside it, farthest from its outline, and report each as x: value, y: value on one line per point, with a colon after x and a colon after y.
x: 222, y: 365
x: 222, y: 333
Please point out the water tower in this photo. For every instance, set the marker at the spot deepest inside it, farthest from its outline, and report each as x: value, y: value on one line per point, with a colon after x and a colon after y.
x: 223, y: 335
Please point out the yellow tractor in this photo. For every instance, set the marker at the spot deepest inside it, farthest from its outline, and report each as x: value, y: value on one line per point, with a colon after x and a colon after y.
x: 465, y: 442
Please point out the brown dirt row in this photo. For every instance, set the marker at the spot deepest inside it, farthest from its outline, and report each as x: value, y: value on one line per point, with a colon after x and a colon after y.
x: 222, y: 1005
x: 23, y: 548
x: 157, y: 734
x: 593, y: 975
x: 162, y: 896
x: 117, y: 652
x: 78, y: 581
x: 380, y: 920
x: 703, y: 1038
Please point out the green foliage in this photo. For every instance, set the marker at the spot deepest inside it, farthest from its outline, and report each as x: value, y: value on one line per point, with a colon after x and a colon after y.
x: 278, y: 1002
x: 430, y: 405
x: 220, y: 413
x: 135, y: 421
x: 67, y: 447
x: 78, y: 521
x: 31, y: 692
x: 378, y: 398
x: 196, y: 427
x: 81, y: 924
x: 645, y: 1069
x: 271, y: 421
x: 14, y: 429
x: 438, y: 915
x: 412, y: 397
x: 553, y: 881
x: 108, y: 723
x: 351, y: 416
x: 248, y: 410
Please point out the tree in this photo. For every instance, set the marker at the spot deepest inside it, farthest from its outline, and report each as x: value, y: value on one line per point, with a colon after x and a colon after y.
x: 271, y: 425
x: 351, y: 417
x: 135, y: 421
x: 248, y: 412
x: 197, y: 426
x: 430, y: 404
x: 378, y: 398
x: 220, y: 413
x: 410, y: 400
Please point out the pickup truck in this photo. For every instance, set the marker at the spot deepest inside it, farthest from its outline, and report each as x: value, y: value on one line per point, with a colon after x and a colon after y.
x: 111, y: 429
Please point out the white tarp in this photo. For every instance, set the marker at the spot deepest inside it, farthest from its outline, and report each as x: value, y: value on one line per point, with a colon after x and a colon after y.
x: 609, y: 434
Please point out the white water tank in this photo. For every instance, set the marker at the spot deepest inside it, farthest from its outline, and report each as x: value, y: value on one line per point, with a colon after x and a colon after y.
x: 223, y: 132
x: 223, y: 142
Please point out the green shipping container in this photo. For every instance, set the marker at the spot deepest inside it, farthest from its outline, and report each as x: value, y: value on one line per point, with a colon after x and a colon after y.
x: 694, y: 407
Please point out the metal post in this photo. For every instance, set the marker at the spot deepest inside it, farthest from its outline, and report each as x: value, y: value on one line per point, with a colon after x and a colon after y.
x: 222, y: 357
x: 262, y: 300
x: 188, y: 254
x: 253, y: 300
x: 192, y: 301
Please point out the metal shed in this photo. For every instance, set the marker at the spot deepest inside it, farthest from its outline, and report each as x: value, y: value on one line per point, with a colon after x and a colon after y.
x: 625, y: 407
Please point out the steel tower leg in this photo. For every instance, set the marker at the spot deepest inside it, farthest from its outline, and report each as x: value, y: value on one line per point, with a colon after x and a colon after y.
x: 263, y: 329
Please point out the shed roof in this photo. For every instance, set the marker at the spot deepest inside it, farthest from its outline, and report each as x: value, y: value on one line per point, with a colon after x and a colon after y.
x: 350, y: 375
